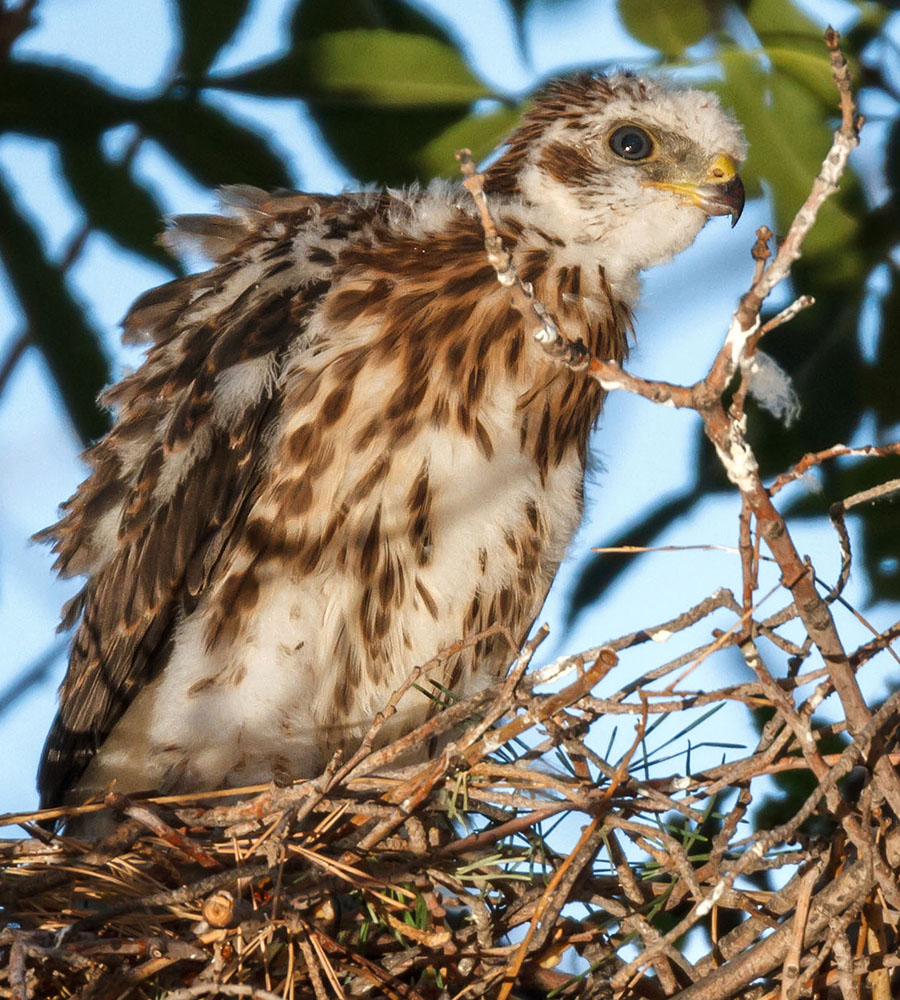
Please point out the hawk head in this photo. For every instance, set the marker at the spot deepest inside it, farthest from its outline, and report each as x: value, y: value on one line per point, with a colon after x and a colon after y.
x: 627, y: 165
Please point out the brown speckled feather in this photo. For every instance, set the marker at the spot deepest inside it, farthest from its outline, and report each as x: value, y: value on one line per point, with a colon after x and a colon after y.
x: 343, y: 452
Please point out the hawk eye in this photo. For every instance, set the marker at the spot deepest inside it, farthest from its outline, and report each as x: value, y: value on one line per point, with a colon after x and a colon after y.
x: 631, y: 143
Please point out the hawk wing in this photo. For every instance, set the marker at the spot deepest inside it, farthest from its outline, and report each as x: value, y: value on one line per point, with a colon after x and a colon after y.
x: 173, y: 480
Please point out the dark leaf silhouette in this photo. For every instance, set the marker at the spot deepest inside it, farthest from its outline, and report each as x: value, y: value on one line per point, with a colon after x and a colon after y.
x: 55, y: 101
x: 314, y: 18
x: 205, y: 29
x: 214, y: 148
x: 56, y: 323
x: 112, y: 200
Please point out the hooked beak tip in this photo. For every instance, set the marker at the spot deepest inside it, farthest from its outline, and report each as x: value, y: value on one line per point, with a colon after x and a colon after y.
x: 738, y: 200
x: 716, y: 197
x: 723, y: 198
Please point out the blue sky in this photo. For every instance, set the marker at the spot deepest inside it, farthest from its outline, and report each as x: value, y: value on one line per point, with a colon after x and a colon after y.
x: 645, y: 451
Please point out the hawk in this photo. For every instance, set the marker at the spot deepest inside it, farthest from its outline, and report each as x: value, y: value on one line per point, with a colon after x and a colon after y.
x: 344, y: 452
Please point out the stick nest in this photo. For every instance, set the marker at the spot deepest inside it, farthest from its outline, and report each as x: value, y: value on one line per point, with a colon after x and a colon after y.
x: 517, y: 861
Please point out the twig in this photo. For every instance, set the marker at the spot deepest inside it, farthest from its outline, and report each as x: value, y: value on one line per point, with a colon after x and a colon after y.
x: 844, y: 963
x: 224, y: 989
x: 791, y: 969
x: 836, y: 451
x: 552, y: 899
x: 16, y: 975
x: 571, y: 353
x: 584, y: 848
x: 149, y: 819
x: 826, y: 183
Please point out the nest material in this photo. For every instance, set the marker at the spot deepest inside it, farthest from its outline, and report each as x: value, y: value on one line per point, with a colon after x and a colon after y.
x: 462, y: 877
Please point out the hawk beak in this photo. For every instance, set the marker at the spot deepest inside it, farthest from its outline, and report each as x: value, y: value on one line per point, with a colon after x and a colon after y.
x: 721, y: 193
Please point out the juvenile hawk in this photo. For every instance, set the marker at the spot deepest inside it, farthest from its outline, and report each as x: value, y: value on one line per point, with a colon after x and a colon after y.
x: 343, y: 451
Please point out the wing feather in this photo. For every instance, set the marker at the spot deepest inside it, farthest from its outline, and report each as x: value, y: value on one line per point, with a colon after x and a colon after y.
x: 172, y: 481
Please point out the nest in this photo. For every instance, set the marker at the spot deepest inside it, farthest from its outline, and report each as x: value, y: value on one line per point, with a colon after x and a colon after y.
x: 516, y: 862
x: 521, y: 861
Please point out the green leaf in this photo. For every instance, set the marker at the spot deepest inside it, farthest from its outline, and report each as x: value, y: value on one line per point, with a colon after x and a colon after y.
x: 210, y: 145
x: 810, y: 69
x: 393, y: 69
x: 480, y: 133
x: 314, y: 18
x: 373, y: 67
x: 383, y: 145
x: 112, y: 200
x: 379, y: 97
x: 56, y: 324
x: 668, y: 27
x: 53, y: 101
x: 788, y: 138
x: 205, y: 28
x: 873, y: 13
x: 781, y: 16
x: 398, y: 84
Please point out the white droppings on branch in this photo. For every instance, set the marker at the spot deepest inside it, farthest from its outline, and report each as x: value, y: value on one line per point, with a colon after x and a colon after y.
x: 563, y: 666
x: 705, y: 906
x: 737, y: 337
x: 738, y: 459
x: 611, y: 384
x: 663, y: 635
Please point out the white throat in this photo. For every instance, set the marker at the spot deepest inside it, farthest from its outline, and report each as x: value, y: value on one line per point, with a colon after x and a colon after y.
x: 626, y: 229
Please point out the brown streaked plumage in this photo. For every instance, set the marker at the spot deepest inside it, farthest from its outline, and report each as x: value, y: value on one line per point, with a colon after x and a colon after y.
x: 344, y: 452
